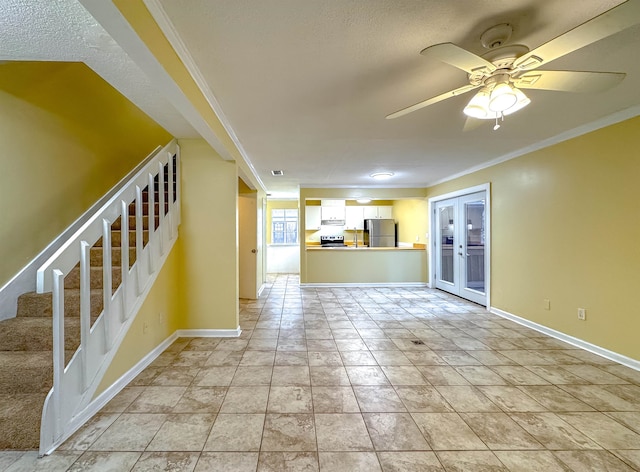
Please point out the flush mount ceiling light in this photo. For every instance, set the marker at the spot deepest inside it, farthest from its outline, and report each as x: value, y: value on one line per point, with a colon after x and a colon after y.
x: 501, y: 72
x: 363, y: 200
x: 381, y: 175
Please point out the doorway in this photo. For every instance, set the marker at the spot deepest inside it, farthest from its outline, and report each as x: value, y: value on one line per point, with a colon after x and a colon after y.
x: 460, y: 244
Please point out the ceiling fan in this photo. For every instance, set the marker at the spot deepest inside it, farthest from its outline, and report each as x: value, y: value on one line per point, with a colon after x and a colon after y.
x: 503, y: 71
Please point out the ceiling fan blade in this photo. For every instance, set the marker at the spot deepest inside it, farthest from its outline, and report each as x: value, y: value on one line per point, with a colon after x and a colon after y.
x: 569, y: 80
x: 458, y: 57
x: 613, y: 21
x: 431, y: 101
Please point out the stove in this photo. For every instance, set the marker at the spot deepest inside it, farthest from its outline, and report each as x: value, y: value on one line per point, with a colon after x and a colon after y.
x: 332, y: 241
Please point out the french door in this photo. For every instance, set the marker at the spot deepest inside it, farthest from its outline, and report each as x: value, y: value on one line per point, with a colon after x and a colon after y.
x: 460, y: 255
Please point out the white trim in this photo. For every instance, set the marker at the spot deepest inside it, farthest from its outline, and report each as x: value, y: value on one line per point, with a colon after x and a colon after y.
x: 110, y: 392
x: 431, y: 242
x: 108, y: 15
x: 364, y: 285
x: 261, y: 289
x: 209, y: 333
x: 587, y: 346
x: 612, y: 119
x: 25, y: 280
x: 166, y: 26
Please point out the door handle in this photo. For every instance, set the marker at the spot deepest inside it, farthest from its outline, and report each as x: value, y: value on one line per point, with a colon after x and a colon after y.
x: 255, y: 251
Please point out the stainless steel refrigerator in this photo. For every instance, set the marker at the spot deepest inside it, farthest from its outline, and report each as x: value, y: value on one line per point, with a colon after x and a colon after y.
x: 379, y: 233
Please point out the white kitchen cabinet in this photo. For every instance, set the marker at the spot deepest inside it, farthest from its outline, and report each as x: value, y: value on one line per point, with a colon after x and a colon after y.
x: 355, y: 217
x: 385, y: 212
x: 370, y: 212
x: 378, y: 212
x: 312, y: 218
x: 334, y: 213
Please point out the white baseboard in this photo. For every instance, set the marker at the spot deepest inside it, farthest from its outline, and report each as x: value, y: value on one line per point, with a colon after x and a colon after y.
x: 593, y: 348
x: 364, y: 285
x: 209, y: 333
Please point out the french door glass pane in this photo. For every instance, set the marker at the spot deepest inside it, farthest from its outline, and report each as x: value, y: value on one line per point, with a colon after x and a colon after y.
x: 446, y: 247
x: 474, y: 217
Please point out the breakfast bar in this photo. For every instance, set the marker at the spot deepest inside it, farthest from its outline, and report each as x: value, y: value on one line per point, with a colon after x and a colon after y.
x: 366, y: 265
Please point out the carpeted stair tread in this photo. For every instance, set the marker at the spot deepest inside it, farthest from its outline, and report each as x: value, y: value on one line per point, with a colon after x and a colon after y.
x: 132, y: 222
x: 20, y: 420
x: 26, y: 371
x: 36, y: 334
x: 116, y: 238
x: 95, y: 256
x: 72, y: 280
x: 34, y: 304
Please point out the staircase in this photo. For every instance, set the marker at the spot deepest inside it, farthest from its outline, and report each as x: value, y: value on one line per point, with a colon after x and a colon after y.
x: 27, y: 341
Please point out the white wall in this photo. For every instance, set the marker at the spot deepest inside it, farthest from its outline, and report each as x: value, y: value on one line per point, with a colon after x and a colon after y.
x: 283, y: 259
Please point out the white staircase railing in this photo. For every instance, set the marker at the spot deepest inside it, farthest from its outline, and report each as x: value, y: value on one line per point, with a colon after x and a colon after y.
x: 156, y: 180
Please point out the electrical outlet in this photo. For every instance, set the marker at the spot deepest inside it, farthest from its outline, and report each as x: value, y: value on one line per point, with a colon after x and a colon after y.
x: 582, y: 314
x: 547, y: 304
x: 145, y: 327
x: 417, y: 239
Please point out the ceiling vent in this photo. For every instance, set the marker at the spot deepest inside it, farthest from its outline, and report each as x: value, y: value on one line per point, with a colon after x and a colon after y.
x: 277, y: 173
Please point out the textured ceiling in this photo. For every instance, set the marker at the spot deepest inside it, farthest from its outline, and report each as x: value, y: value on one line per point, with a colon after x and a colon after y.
x: 306, y: 85
x: 62, y: 30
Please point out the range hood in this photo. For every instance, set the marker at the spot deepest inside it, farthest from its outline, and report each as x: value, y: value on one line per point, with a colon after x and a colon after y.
x: 332, y: 222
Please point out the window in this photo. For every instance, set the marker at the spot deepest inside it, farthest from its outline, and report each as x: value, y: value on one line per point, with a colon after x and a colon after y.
x: 284, y: 226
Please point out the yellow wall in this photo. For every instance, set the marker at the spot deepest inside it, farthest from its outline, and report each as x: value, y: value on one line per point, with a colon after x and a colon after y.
x: 67, y: 137
x: 208, y: 243
x: 162, y: 313
x: 566, y: 227
x: 412, y: 216
x: 279, y: 204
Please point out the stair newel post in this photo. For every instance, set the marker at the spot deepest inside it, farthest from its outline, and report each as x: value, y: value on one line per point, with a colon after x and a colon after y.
x: 161, y: 206
x: 85, y: 307
x: 124, y: 256
x: 139, y: 241
x: 170, y: 178
x: 58, y: 346
x: 152, y: 221
x: 107, y: 281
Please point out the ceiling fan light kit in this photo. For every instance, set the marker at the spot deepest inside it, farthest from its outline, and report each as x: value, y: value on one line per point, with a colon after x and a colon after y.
x: 504, y: 70
x: 502, y: 98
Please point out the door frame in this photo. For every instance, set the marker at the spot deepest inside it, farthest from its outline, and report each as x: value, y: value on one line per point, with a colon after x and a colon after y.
x: 432, y: 231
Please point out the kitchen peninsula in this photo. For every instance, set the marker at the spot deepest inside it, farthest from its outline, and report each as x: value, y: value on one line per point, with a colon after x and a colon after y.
x: 330, y: 256
x: 366, y: 265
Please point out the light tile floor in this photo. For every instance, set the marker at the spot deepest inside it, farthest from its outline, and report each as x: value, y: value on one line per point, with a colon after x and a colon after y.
x: 371, y: 379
